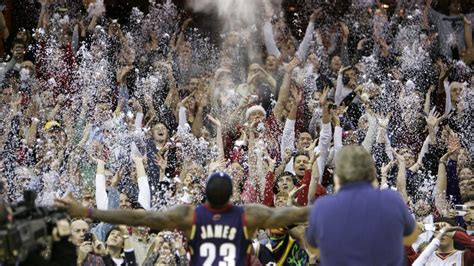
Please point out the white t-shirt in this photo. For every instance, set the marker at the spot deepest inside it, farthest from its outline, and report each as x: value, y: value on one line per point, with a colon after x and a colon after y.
x: 118, y: 261
x: 455, y: 259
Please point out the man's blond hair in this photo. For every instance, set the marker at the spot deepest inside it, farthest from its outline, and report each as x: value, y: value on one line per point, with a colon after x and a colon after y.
x: 354, y: 163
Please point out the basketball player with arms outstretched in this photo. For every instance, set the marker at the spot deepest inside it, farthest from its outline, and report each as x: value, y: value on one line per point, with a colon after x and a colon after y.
x: 218, y: 232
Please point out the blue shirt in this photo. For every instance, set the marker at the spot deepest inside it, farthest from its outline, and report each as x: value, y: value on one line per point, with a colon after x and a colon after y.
x: 360, y: 225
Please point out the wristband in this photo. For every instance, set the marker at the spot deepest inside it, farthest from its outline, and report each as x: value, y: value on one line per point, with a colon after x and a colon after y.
x: 89, y: 213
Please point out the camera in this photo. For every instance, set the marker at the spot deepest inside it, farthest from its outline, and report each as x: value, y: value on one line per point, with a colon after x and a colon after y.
x: 459, y: 207
x: 23, y: 226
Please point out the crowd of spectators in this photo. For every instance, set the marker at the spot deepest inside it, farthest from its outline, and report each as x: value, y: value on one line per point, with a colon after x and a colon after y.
x: 138, y: 115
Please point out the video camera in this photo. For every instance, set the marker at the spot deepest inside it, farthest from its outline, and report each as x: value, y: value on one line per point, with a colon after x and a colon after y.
x: 22, y: 225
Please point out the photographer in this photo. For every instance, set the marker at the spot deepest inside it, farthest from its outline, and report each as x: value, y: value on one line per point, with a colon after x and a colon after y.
x: 62, y: 251
x: 83, y: 240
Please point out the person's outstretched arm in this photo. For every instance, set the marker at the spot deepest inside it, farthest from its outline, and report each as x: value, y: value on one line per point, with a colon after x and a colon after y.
x: 402, y: 177
x: 442, y: 205
x: 308, y: 36
x: 101, y: 198
x: 180, y: 216
x: 260, y: 216
x: 3, y: 26
x: 270, y: 43
x: 144, y: 194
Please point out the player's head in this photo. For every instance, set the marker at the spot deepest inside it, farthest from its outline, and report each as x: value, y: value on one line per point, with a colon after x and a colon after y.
x: 218, y: 189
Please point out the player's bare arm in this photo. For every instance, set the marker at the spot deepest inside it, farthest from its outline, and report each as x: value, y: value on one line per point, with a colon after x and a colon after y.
x: 260, y: 216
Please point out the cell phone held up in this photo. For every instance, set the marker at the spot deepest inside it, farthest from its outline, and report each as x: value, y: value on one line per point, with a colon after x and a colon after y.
x: 88, y: 237
x: 461, y: 210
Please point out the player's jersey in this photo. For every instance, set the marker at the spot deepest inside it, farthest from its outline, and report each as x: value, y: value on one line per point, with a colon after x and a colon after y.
x: 219, y: 237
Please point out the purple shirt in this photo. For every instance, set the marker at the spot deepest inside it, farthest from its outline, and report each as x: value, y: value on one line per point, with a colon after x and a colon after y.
x: 360, y: 225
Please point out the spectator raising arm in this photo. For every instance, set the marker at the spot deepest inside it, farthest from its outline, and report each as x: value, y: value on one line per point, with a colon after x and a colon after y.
x: 468, y: 54
x: 219, y: 140
x: 402, y: 177
x: 3, y: 26
x: 441, y: 203
x: 313, y: 185
x: 144, y: 197
x: 325, y: 134
x: 101, y: 198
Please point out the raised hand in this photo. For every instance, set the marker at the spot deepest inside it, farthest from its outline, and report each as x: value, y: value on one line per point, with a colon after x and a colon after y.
x: 383, y: 121
x: 268, y: 8
x: 117, y: 177
x: 311, y: 147
x: 360, y: 44
x: 335, y: 118
x: 386, y: 168
x: 187, y: 22
x: 293, y: 63
x: 433, y: 118
x: 344, y: 68
x: 84, y: 249
x: 324, y: 97
x: 447, y: 229
x: 443, y: 70
x: 399, y: 157
x: 431, y: 89
x: 97, y: 160
x: 287, y: 156
x: 136, y: 106
x: 62, y: 229
x: 314, y: 156
x: 216, y: 165
x: 214, y: 121
x: 315, y: 14
x: 161, y: 161
x: 202, y: 99
x: 292, y: 194
x: 183, y: 102
x: 451, y: 151
x: 122, y: 73
x: 345, y: 31
x: 453, y: 141
x: 270, y: 162
x: 44, y: 2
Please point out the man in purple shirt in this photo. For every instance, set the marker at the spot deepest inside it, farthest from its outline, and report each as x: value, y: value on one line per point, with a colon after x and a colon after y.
x: 360, y: 224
